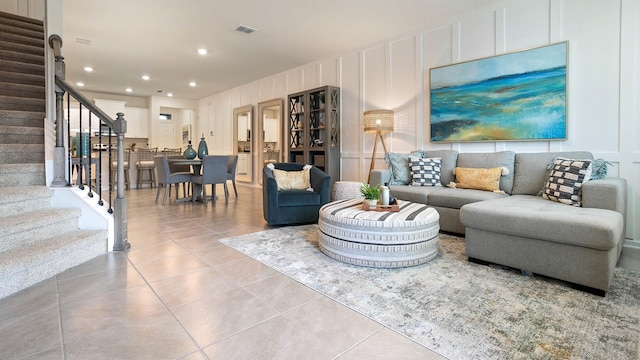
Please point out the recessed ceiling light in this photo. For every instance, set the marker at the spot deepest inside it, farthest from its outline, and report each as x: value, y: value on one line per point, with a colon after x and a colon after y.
x: 80, y: 83
x: 192, y: 84
x: 145, y: 77
x: 88, y: 69
x: 202, y: 51
x: 169, y: 94
x: 129, y: 89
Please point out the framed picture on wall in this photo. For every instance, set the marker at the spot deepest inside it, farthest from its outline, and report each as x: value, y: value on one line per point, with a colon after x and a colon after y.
x: 520, y: 96
x: 186, y: 134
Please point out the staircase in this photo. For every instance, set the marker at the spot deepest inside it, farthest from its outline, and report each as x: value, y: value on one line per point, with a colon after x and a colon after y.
x: 36, y: 240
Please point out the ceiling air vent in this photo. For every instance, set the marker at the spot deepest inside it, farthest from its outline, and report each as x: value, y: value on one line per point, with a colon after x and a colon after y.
x: 83, y: 41
x: 245, y: 29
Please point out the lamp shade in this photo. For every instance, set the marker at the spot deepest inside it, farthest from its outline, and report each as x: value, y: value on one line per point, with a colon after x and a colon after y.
x: 375, y: 120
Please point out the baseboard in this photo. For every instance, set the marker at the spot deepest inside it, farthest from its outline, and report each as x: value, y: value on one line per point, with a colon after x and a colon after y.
x: 631, y: 243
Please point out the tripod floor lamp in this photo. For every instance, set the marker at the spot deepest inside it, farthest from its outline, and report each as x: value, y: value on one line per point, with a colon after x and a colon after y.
x: 380, y: 122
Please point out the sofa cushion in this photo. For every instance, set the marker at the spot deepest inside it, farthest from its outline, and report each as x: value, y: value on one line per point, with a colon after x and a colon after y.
x: 417, y: 194
x: 565, y: 181
x: 479, y: 179
x: 491, y: 160
x: 533, y: 217
x: 531, y: 169
x: 456, y: 198
x: 449, y: 160
x: 398, y: 165
x: 425, y: 171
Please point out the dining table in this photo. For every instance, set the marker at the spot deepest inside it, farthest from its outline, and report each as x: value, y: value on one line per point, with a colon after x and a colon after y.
x: 196, y: 164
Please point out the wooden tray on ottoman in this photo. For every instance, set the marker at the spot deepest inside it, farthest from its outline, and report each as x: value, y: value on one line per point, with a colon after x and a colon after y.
x: 391, y: 208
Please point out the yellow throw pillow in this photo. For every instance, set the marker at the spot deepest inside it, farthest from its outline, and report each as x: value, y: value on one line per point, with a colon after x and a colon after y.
x: 479, y: 179
x: 293, y: 180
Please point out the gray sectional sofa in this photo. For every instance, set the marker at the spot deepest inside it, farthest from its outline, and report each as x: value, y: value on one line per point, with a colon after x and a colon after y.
x: 518, y: 228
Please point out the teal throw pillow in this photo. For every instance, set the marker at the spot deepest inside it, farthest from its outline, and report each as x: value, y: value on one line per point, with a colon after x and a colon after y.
x: 398, y: 165
x: 599, y: 169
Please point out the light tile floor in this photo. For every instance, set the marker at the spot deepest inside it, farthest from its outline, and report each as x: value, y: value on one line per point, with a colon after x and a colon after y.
x: 180, y: 294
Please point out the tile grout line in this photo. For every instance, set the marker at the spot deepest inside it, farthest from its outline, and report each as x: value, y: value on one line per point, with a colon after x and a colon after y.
x: 60, y: 328
x: 198, y: 347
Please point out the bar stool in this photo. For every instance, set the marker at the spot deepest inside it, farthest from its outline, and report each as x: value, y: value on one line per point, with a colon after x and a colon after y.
x: 114, y: 166
x: 145, y: 162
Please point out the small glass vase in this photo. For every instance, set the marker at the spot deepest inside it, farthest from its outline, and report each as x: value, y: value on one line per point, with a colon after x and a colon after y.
x: 189, y: 153
x: 203, y: 150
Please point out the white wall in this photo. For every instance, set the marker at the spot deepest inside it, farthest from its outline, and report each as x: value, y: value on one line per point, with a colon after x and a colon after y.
x: 603, y: 85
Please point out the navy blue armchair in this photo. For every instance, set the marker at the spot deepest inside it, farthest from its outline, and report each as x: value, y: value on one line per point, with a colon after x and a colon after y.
x: 293, y: 206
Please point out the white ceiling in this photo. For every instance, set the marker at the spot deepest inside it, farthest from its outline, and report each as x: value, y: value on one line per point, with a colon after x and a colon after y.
x: 161, y: 37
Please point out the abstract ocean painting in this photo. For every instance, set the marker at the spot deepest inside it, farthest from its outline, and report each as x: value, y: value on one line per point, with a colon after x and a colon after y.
x: 517, y: 96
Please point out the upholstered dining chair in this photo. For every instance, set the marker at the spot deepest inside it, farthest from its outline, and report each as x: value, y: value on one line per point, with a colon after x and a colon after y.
x: 231, y: 172
x: 146, y: 163
x: 166, y: 178
x: 114, y: 166
x: 214, y: 171
x: 173, y: 168
x: 283, y: 202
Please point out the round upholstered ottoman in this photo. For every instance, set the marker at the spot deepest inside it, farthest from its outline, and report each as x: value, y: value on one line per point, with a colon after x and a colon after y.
x: 382, y: 239
x: 343, y: 190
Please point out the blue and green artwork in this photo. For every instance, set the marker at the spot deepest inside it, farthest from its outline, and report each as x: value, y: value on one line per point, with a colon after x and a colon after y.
x: 517, y: 96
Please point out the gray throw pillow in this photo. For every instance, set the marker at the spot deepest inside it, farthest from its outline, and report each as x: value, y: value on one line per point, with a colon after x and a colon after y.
x: 425, y: 171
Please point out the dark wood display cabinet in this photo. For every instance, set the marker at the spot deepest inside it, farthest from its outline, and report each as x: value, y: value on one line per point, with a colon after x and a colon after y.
x: 314, y: 129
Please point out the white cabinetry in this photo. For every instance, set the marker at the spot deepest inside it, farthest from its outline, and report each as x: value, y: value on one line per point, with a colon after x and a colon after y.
x: 243, y: 164
x: 244, y: 127
x: 137, y: 122
x: 270, y: 130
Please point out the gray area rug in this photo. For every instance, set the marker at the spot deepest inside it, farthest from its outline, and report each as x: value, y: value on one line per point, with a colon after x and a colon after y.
x: 464, y: 310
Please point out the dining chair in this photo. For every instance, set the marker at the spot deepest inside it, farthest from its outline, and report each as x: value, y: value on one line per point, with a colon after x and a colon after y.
x: 173, y: 168
x: 166, y: 178
x: 114, y: 166
x: 146, y: 162
x: 231, y: 171
x: 214, y: 171
x: 172, y: 152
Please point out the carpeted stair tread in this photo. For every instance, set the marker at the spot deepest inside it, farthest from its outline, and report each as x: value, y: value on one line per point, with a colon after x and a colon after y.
x: 22, y: 90
x: 18, y: 56
x: 21, y: 104
x: 22, y: 118
x: 20, y: 21
x: 22, y: 48
x: 35, y: 33
x: 21, y: 78
x: 34, y: 226
x: 22, y: 154
x: 28, y: 265
x: 22, y: 37
x: 21, y: 135
x: 10, y: 195
x: 20, y: 67
x: 21, y: 175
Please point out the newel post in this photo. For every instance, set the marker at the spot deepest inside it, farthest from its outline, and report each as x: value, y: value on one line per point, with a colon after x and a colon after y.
x: 59, y: 155
x: 121, y: 241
